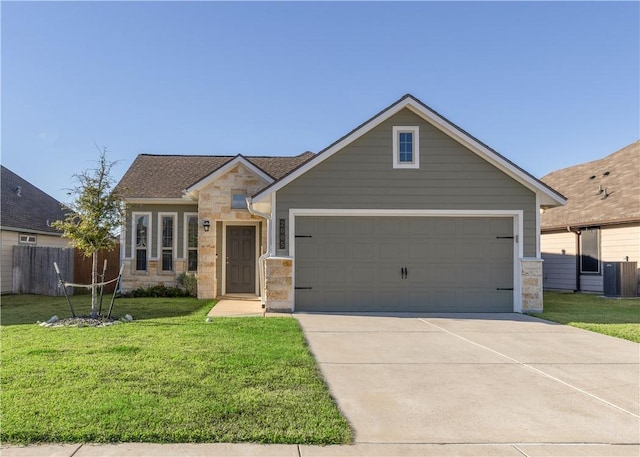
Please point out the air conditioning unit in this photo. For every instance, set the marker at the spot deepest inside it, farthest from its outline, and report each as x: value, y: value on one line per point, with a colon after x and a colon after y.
x: 620, y: 279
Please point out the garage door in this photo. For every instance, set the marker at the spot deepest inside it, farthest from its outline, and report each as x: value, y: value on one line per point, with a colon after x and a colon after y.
x: 404, y: 264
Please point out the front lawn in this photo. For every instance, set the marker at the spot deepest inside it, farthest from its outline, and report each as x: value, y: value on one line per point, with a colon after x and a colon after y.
x: 610, y: 316
x: 168, y: 376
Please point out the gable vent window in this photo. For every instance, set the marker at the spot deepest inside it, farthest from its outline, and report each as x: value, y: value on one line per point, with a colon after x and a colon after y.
x: 238, y: 201
x: 406, y: 151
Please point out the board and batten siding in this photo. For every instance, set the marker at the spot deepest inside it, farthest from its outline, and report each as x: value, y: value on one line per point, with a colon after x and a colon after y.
x: 155, y: 210
x: 361, y: 176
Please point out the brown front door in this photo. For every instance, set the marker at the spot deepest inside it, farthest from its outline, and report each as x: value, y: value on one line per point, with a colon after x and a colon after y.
x: 241, y: 259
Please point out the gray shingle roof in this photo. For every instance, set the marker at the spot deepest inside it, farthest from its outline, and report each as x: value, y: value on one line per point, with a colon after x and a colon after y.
x: 166, y: 176
x: 604, y: 191
x: 26, y: 207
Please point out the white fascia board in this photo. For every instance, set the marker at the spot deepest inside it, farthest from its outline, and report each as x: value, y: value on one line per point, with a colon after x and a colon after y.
x: 5, y: 228
x: 159, y: 201
x: 547, y: 197
x: 224, y: 169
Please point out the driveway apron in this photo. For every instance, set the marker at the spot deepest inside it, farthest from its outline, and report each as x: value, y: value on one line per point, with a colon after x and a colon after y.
x: 481, y: 378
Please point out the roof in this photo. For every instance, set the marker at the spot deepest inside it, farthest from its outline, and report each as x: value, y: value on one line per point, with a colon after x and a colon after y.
x: 25, y: 207
x: 167, y: 176
x: 605, y: 191
x: 548, y: 197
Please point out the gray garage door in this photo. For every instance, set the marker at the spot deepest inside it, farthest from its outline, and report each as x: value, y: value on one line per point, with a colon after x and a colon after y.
x: 404, y: 264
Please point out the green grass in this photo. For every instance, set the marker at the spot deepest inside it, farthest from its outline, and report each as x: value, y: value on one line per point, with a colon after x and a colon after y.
x: 166, y: 377
x: 609, y: 316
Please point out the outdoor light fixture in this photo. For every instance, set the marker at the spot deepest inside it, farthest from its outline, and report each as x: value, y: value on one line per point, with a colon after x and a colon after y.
x: 206, y: 225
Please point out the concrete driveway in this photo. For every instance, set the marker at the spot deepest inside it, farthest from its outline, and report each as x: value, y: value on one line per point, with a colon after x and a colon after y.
x: 481, y: 378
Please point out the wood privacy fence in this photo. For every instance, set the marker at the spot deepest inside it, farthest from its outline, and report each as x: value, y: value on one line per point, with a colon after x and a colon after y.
x: 33, y: 271
x: 82, y: 267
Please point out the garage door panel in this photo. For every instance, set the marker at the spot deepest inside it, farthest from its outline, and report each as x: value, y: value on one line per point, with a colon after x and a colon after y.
x: 355, y: 264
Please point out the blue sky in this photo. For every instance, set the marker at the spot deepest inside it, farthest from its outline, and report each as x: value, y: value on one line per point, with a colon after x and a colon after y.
x: 546, y: 84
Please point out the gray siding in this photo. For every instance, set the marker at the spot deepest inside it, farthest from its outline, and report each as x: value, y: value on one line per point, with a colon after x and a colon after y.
x: 155, y: 210
x: 450, y: 177
x: 559, y: 255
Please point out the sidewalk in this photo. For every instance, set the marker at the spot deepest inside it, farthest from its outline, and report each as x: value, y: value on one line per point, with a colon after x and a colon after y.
x: 293, y: 450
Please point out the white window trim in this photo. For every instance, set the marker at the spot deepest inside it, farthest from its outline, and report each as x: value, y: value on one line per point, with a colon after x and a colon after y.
x: 134, y: 216
x: 185, y: 239
x: 26, y: 240
x: 415, y: 130
x: 174, y: 238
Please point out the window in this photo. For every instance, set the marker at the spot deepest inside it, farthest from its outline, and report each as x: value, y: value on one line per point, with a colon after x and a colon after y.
x: 191, y: 223
x: 406, y: 151
x: 141, y: 230
x: 590, y: 250
x: 27, y: 239
x: 238, y: 201
x: 167, y: 226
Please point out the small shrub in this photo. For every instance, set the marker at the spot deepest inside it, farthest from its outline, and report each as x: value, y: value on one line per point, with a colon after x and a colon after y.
x: 189, y: 282
x: 157, y: 291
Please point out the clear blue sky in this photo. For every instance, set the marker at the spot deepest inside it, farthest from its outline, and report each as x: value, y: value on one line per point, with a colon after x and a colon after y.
x: 546, y: 84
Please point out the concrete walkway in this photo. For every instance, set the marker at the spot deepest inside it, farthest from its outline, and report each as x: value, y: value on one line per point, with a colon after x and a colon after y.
x: 237, y: 307
x: 456, y: 385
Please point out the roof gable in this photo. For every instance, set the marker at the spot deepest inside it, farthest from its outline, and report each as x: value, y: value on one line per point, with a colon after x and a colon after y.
x: 238, y: 160
x: 26, y: 207
x: 603, y: 191
x: 548, y: 197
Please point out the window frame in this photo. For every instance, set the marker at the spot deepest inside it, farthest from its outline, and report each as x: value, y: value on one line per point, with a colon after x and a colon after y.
x: 244, y: 201
x: 134, y: 249
x: 186, y: 240
x: 161, y: 248
x: 27, y: 237
x: 597, y: 232
x: 415, y: 131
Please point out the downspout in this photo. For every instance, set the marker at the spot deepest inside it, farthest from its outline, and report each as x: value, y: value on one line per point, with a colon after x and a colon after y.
x: 577, y: 232
x: 263, y: 257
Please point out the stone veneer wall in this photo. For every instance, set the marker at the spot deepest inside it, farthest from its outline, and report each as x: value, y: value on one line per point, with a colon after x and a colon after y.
x: 532, y: 300
x: 214, y: 203
x: 279, y: 294
x: 132, y: 279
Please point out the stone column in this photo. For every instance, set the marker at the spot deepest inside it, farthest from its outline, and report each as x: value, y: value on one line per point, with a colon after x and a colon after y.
x: 279, y: 284
x: 531, y: 285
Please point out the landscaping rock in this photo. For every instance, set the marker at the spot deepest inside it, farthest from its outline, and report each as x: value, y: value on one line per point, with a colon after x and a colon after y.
x: 128, y: 317
x: 53, y: 320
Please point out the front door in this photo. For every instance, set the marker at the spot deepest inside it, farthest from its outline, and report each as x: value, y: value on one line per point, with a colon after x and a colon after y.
x: 241, y: 259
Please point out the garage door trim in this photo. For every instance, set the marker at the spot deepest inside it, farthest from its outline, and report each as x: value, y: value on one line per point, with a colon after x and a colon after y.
x: 517, y: 215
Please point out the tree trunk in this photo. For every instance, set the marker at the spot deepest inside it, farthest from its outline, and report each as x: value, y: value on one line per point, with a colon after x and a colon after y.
x: 94, y: 286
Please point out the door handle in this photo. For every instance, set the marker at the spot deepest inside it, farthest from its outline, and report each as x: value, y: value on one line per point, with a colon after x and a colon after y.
x: 406, y: 273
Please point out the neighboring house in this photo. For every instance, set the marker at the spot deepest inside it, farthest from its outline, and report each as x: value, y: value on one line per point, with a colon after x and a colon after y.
x: 27, y: 214
x: 600, y: 223
x: 407, y: 212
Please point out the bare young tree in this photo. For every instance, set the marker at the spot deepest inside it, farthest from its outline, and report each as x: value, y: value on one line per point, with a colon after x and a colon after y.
x: 94, y: 215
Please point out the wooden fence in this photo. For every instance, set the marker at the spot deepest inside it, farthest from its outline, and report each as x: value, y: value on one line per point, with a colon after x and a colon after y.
x: 33, y: 271
x: 82, y: 267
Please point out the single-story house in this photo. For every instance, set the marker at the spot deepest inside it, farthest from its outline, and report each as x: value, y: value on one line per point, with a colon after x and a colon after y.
x: 407, y: 212
x: 599, y: 224
x: 27, y: 214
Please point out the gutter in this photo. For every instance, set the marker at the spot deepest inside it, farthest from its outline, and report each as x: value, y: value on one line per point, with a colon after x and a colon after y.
x: 578, y: 254
x: 263, y: 257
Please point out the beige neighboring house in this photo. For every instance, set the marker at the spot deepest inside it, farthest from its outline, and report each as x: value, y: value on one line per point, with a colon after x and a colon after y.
x: 599, y: 224
x: 407, y: 212
x: 25, y: 220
